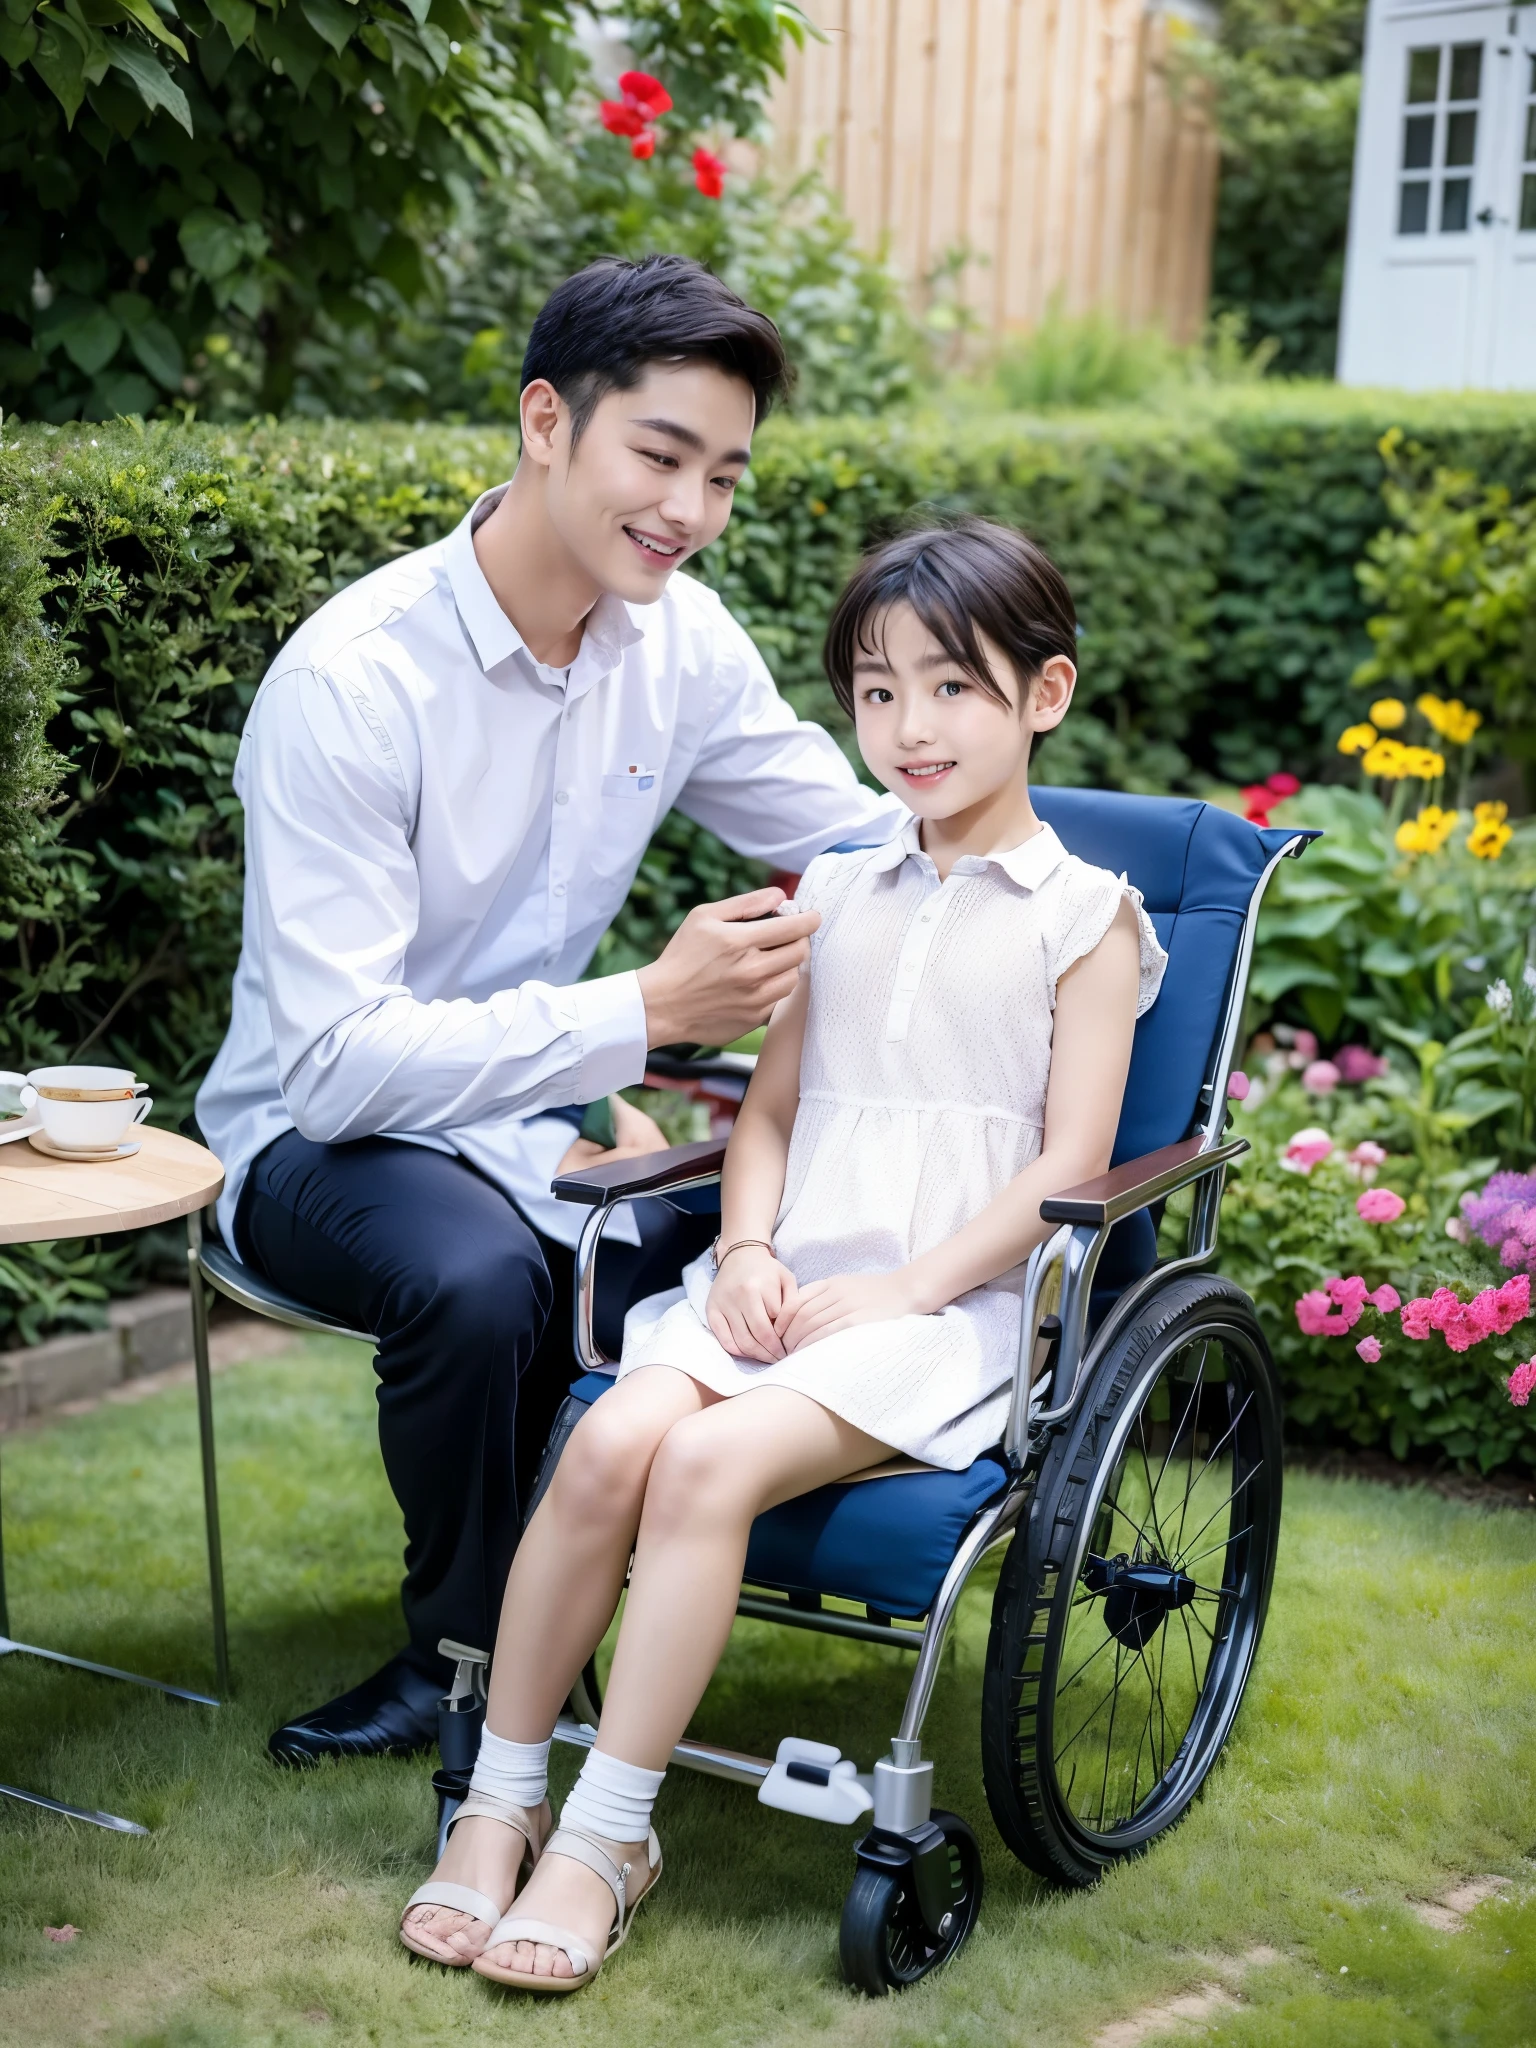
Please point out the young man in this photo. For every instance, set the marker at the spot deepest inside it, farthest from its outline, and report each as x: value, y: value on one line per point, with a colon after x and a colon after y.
x: 450, y: 775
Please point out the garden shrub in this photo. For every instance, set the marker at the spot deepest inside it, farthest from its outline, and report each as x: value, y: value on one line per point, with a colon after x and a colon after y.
x: 152, y: 572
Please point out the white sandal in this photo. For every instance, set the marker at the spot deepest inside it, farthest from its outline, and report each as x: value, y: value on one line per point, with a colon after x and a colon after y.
x: 579, y: 1847
x: 463, y: 1898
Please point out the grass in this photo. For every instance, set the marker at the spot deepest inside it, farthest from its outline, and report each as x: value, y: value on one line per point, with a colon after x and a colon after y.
x: 1384, y: 1751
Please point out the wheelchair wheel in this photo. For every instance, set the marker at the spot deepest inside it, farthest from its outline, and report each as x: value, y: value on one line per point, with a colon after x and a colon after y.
x: 1131, y: 1601
x: 885, y: 1943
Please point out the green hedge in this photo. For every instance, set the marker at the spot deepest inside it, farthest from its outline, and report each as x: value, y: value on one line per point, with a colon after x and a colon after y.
x: 147, y: 574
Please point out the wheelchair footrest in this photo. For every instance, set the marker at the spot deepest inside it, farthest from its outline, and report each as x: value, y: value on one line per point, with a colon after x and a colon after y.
x: 816, y: 1781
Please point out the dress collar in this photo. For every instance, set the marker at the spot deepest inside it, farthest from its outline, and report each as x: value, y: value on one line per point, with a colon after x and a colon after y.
x: 610, y: 627
x: 1027, y: 864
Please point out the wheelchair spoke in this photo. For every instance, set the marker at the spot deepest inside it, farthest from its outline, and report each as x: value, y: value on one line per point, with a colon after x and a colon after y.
x: 1210, y: 1460
x: 1098, y: 1706
x: 1191, y: 1407
x: 1226, y: 1541
x: 1109, y: 1740
x: 1246, y: 1480
x: 1077, y: 1674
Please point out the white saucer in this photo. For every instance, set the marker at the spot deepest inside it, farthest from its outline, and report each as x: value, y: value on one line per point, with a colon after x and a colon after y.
x: 41, y: 1142
x: 22, y: 1126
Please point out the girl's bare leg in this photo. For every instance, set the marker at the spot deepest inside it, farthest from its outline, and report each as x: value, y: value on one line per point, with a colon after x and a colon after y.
x: 713, y: 1473
x: 561, y: 1594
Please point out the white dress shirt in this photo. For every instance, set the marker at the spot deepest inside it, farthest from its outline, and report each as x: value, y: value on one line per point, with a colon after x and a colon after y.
x: 439, y: 829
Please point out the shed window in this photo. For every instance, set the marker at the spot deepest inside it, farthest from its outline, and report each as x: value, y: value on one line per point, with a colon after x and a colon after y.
x: 1528, y: 176
x: 1439, y: 149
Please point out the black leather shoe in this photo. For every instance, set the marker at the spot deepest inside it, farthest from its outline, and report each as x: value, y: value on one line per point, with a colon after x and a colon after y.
x: 393, y: 1713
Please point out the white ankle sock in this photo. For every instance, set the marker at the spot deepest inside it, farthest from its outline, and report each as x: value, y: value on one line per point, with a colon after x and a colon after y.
x: 612, y: 1798
x: 518, y: 1771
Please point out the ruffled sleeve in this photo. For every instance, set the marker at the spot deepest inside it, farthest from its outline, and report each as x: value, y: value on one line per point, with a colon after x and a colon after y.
x: 1088, y: 901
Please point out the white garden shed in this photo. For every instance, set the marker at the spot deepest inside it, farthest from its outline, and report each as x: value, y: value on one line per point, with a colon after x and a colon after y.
x: 1440, y: 280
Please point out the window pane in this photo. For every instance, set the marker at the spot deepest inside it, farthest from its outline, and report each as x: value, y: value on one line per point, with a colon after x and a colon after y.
x: 1419, y: 141
x: 1466, y: 71
x: 1460, y: 139
x: 1413, y: 210
x: 1528, y: 201
x: 1455, y: 206
x: 1423, y: 76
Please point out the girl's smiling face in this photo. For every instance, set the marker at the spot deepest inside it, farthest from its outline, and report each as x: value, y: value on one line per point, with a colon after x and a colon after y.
x: 936, y: 735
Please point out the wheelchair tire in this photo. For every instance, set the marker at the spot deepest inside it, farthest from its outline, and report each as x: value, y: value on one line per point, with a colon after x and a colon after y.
x: 884, y: 1944
x: 1152, y: 1531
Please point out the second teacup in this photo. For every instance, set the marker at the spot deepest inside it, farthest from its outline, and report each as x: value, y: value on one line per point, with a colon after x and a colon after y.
x: 86, y: 1109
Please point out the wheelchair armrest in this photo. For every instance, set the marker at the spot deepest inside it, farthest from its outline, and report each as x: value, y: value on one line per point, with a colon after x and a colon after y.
x: 651, y: 1174
x: 1125, y: 1189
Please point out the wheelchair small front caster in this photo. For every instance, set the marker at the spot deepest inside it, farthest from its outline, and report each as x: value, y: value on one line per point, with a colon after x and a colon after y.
x: 915, y: 1899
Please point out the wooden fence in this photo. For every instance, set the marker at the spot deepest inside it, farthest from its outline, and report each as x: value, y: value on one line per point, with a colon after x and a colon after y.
x: 1042, y: 139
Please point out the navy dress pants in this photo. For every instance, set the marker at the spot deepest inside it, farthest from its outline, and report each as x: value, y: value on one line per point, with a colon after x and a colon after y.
x: 471, y: 1310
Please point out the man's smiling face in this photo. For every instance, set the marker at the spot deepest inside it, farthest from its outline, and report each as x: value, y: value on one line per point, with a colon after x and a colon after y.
x: 652, y: 475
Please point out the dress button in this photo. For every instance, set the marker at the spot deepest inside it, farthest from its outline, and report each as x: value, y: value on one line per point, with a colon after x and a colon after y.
x: 562, y: 796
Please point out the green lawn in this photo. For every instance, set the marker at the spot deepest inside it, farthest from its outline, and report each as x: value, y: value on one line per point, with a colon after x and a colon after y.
x: 1385, y: 1750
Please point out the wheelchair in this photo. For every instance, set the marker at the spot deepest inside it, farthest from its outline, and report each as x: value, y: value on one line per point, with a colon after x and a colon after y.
x: 1136, y: 1489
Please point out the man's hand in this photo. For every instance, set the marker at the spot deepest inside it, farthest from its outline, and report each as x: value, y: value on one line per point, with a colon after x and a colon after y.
x: 823, y: 1307
x: 751, y: 1292
x: 635, y: 1131
x: 724, y: 969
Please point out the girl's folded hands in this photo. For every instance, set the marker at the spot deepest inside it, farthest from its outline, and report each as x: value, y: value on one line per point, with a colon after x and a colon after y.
x: 823, y: 1307
x: 752, y: 1294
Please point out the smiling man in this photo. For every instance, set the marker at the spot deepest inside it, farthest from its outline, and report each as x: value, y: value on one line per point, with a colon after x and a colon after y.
x: 450, y: 775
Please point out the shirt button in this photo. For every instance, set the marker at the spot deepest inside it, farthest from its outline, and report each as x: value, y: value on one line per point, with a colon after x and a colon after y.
x: 559, y: 889
x: 562, y: 796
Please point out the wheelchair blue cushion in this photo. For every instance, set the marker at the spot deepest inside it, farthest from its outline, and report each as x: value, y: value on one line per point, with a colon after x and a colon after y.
x: 887, y: 1542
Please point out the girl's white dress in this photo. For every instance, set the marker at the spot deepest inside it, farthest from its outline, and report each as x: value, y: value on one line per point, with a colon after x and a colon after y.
x: 922, y: 1094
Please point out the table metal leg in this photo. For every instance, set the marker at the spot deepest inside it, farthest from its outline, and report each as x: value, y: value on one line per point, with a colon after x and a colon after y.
x: 97, y: 1820
x: 210, y: 1463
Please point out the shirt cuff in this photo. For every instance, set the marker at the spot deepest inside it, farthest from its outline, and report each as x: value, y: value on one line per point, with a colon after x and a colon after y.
x: 610, y: 1015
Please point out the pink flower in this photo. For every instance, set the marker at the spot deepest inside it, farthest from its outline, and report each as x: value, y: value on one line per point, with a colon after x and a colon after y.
x: 1364, y: 1159
x: 1321, y: 1078
x: 1369, y: 1348
x: 1386, y: 1298
x: 66, y: 1932
x: 1304, y: 1045
x: 1334, y: 1308
x: 1494, y: 1312
x: 1513, y: 1302
x: 1307, y: 1149
x: 1522, y: 1383
x: 1359, y: 1063
x: 1379, y: 1205
x: 1238, y: 1085
x: 709, y: 173
x: 1416, y: 1318
x: 1458, y: 1228
x: 1283, y: 784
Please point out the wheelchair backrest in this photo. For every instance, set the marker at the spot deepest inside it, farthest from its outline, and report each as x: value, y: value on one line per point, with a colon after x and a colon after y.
x: 1197, y: 867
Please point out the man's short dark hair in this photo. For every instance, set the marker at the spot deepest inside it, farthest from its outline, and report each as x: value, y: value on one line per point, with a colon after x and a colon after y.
x: 962, y: 580
x: 603, y: 328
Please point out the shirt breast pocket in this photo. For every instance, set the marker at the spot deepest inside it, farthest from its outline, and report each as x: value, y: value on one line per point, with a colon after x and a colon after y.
x: 631, y: 781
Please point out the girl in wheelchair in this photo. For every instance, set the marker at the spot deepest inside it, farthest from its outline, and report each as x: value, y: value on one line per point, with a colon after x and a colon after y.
x: 956, y: 1051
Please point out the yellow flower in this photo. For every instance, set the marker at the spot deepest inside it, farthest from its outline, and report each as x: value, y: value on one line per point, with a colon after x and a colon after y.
x: 1433, y: 710
x: 1387, y: 758
x: 1388, y: 713
x: 1428, y: 832
x: 1423, y: 762
x: 1489, y: 840
x: 1490, y: 814
x: 1356, y: 738
x: 1460, y: 723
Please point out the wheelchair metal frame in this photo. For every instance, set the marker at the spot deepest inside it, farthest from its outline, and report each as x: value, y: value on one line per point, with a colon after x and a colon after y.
x: 902, y: 1780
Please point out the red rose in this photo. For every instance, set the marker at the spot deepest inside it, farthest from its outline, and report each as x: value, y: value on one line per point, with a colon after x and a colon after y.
x: 620, y: 118
x: 709, y: 173
x: 1282, y: 784
x: 644, y: 145
x: 646, y: 93
x: 1258, y: 801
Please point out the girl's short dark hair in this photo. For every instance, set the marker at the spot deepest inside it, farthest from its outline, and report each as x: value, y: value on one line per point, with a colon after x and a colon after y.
x: 963, y: 580
x: 602, y: 329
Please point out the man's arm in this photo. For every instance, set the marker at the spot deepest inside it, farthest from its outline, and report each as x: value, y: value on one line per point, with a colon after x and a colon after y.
x: 335, y: 890
x: 772, y: 785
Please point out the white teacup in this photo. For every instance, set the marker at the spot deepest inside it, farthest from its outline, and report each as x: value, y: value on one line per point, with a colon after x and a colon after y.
x: 86, y: 1109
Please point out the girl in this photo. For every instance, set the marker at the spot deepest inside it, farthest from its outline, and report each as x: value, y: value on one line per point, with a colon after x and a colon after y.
x: 956, y: 1051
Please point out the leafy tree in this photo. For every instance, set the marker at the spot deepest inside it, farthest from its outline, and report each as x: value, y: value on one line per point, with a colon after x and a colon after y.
x: 1287, y: 78
x: 168, y: 166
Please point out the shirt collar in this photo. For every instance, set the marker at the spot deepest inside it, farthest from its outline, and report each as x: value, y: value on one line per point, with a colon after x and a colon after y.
x: 1027, y: 864
x: 610, y: 626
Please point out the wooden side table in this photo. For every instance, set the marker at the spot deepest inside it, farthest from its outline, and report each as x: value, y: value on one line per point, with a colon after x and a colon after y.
x: 43, y: 1198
